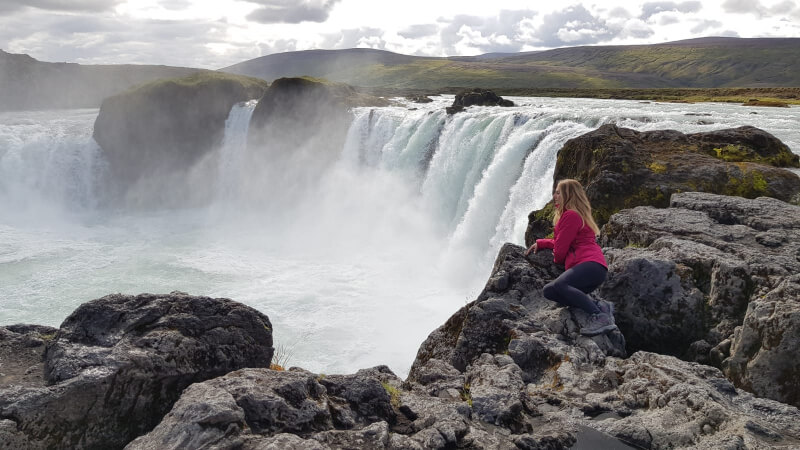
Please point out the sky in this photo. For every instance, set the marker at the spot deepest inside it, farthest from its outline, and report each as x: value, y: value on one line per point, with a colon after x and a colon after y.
x: 212, y: 34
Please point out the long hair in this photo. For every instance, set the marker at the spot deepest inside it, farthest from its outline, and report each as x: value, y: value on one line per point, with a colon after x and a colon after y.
x: 574, y: 197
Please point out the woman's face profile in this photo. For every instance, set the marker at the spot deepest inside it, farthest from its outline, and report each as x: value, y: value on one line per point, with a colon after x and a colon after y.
x: 557, y: 196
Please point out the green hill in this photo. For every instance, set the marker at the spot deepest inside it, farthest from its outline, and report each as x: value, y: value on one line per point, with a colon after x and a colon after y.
x: 696, y: 63
x: 26, y: 83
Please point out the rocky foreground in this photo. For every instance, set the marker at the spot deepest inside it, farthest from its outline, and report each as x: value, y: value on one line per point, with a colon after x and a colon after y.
x: 508, y: 370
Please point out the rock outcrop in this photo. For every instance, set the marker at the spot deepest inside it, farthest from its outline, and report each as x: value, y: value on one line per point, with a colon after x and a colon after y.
x: 712, y: 279
x: 117, y: 364
x: 297, y: 130
x: 478, y: 97
x: 157, y: 137
x: 623, y: 168
x: 507, y: 371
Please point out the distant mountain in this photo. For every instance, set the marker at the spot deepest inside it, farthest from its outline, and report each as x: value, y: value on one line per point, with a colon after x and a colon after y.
x: 26, y: 83
x: 703, y: 63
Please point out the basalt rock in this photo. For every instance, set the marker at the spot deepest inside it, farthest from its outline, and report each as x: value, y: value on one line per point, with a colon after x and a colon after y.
x: 623, y: 168
x: 507, y: 371
x: 297, y: 130
x: 117, y: 364
x: 712, y: 279
x: 478, y: 97
x: 157, y: 137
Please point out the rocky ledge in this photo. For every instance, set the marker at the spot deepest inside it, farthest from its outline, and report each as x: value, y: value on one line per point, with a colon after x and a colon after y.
x: 507, y: 371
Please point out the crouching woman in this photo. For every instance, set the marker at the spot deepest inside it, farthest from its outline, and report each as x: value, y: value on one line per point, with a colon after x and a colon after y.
x: 575, y: 245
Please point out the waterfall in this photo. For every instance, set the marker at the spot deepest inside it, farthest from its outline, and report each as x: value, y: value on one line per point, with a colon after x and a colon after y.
x: 49, y: 162
x: 232, y: 151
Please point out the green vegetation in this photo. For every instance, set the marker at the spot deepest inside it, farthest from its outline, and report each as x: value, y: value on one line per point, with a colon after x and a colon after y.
x: 394, y: 394
x: 465, y: 395
x: 198, y: 80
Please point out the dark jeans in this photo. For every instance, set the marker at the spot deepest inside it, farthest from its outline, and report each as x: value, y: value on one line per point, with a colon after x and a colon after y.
x: 571, y: 287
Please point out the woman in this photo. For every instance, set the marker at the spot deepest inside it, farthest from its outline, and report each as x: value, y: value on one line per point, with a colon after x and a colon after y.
x: 574, y: 244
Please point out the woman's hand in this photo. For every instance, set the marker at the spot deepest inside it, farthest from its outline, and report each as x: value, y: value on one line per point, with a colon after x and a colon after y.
x: 532, y: 248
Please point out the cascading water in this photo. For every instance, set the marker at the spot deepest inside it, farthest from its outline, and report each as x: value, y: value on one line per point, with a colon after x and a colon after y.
x: 395, y: 236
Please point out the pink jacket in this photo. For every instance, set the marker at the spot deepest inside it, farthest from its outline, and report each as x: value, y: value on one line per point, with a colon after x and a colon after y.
x: 573, y: 242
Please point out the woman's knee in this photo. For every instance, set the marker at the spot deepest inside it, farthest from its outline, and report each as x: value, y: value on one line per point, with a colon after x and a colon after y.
x: 554, y: 289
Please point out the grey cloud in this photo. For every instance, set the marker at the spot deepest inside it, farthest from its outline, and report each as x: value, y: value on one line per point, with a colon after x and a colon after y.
x: 668, y: 19
x: 742, y: 6
x: 279, y: 46
x: 652, y: 8
x: 291, y: 11
x: 59, y: 5
x: 619, y: 13
x: 705, y: 25
x: 418, y: 31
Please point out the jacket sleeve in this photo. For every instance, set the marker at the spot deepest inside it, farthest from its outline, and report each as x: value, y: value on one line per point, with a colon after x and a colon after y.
x: 568, y: 226
x: 544, y: 243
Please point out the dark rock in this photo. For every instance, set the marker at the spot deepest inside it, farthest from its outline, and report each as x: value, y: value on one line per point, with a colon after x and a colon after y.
x: 622, y: 168
x: 297, y: 130
x: 478, y: 97
x: 697, y: 280
x: 118, y: 363
x: 155, y: 137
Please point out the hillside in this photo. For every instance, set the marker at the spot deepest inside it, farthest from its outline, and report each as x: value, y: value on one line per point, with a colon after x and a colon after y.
x: 26, y: 83
x: 696, y: 63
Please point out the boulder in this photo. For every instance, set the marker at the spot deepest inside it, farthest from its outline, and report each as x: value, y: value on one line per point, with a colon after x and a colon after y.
x: 117, y: 364
x: 712, y: 279
x: 623, y: 168
x: 479, y: 97
x: 157, y: 137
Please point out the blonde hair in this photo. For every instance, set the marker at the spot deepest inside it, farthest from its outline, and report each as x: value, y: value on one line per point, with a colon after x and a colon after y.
x: 574, y: 197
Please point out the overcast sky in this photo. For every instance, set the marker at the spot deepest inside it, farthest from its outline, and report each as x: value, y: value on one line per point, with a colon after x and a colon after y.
x: 213, y: 34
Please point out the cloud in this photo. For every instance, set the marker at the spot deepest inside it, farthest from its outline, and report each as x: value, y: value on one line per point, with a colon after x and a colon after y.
x: 355, y: 37
x: 705, y: 25
x: 508, y: 31
x: 59, y: 5
x: 291, y: 11
x: 573, y: 26
x: 418, y: 31
x: 88, y: 39
x: 743, y: 6
x: 652, y: 8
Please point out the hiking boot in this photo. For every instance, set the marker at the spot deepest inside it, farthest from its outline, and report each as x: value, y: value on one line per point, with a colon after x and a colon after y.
x: 606, y: 307
x: 598, y: 324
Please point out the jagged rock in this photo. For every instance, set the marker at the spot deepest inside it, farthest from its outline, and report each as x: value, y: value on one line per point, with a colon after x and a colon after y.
x: 157, y: 136
x: 479, y: 97
x: 623, y: 168
x: 117, y: 364
x: 700, y: 280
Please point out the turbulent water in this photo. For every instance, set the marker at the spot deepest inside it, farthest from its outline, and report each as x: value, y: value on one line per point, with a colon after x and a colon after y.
x: 397, y: 234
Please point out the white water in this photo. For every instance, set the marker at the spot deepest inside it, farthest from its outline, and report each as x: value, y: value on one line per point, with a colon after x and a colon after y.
x: 396, y: 236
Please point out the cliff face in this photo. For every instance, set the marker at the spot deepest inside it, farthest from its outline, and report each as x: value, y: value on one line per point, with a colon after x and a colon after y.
x: 155, y: 137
